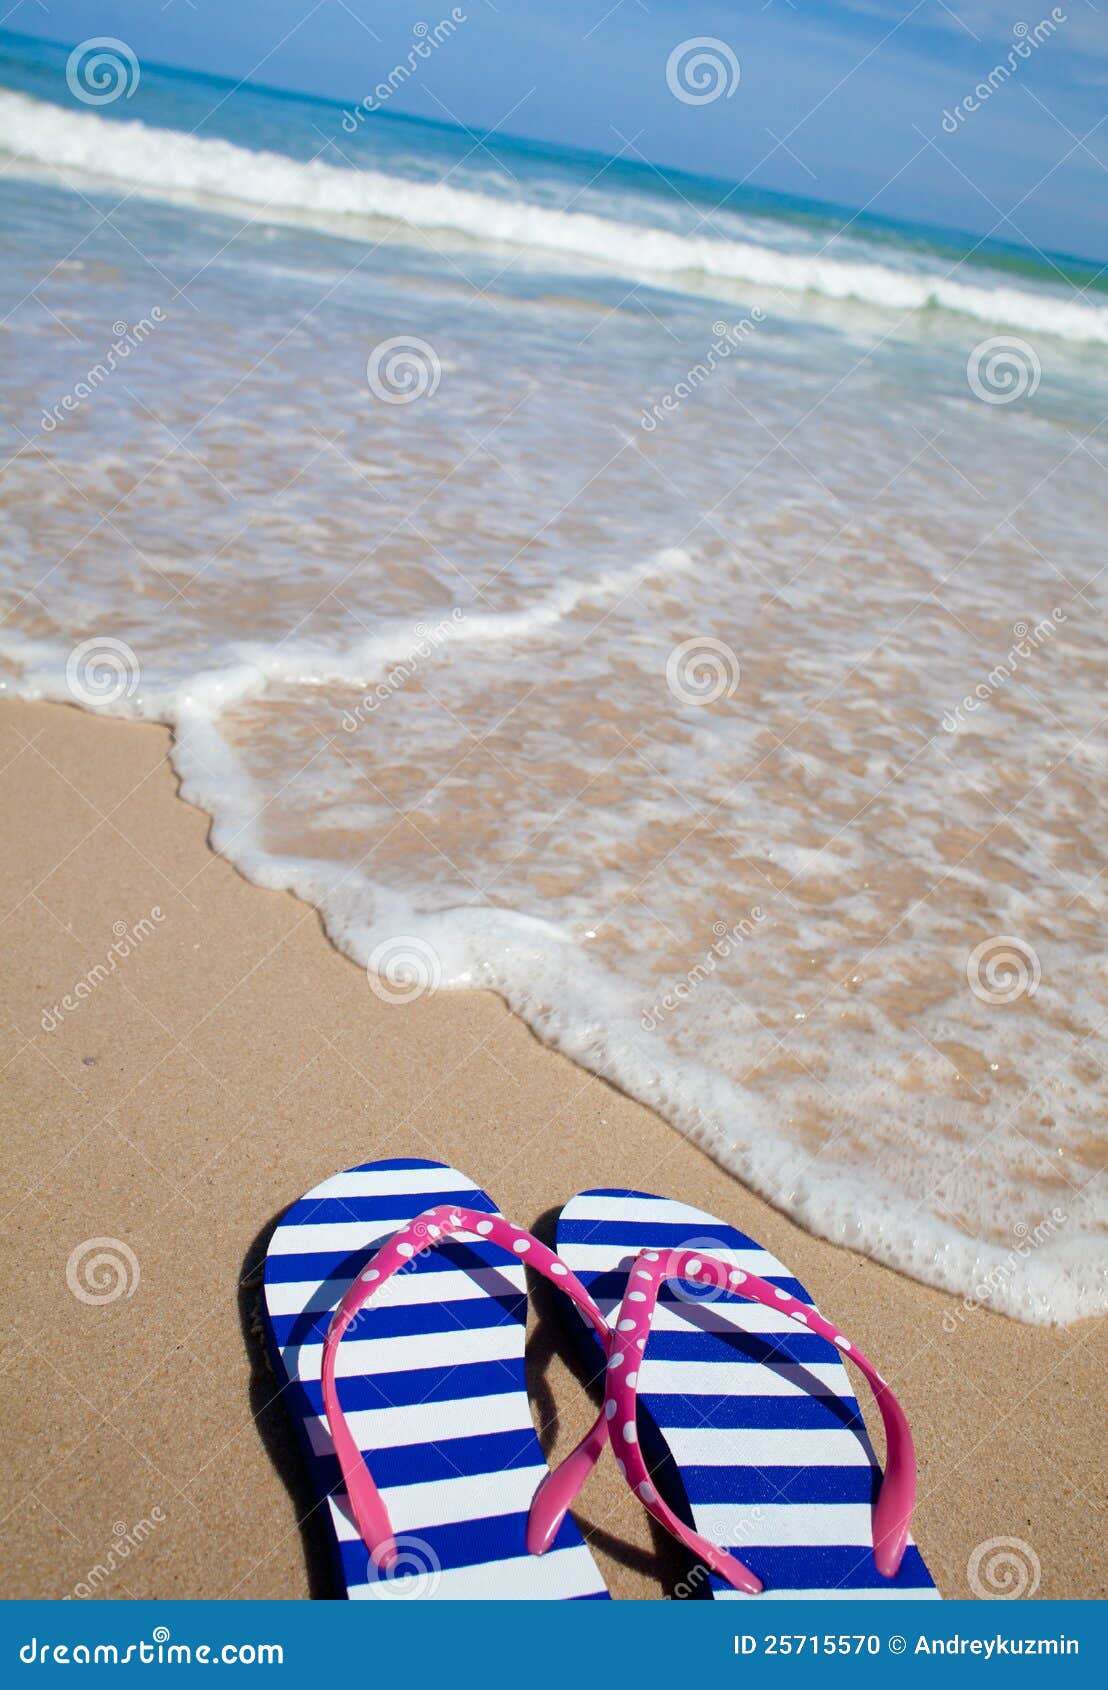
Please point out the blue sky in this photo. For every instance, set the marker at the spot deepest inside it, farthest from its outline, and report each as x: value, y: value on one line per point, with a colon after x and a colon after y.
x: 839, y: 100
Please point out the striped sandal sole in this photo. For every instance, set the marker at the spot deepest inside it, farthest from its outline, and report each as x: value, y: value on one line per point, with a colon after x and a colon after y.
x: 749, y: 1425
x: 431, y: 1383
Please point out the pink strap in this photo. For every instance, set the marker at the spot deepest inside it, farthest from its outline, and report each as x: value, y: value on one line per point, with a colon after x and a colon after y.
x: 893, y: 1513
x: 431, y: 1228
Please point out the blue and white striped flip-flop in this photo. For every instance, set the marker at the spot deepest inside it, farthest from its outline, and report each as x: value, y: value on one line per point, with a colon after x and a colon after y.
x: 431, y: 1383
x: 748, y: 1423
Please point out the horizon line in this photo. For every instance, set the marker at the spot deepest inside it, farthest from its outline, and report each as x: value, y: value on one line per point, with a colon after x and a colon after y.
x: 828, y: 210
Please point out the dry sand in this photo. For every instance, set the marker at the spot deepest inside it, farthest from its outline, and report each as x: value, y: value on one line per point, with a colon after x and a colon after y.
x: 235, y: 1059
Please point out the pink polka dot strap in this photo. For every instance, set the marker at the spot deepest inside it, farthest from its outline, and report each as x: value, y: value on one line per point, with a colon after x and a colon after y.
x: 429, y: 1229
x: 896, y: 1499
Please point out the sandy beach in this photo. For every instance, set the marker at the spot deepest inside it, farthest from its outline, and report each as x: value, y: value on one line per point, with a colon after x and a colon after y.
x: 231, y: 1061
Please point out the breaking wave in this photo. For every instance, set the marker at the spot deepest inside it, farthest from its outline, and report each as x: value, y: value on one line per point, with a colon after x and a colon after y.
x: 166, y: 164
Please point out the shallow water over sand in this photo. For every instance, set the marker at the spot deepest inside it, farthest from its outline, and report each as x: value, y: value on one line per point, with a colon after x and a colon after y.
x: 717, y: 678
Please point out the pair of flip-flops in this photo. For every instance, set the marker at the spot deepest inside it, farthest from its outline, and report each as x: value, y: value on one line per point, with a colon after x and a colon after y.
x: 395, y: 1304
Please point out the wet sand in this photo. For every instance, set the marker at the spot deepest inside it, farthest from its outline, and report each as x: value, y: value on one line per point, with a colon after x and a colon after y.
x: 231, y: 1061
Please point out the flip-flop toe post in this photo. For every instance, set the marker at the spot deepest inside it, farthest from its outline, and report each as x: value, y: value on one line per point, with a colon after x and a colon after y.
x: 399, y: 1338
x: 731, y: 1413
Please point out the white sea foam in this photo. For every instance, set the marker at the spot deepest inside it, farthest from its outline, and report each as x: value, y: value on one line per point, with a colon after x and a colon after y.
x: 242, y: 669
x: 163, y: 163
x: 419, y: 665
x: 590, y: 1010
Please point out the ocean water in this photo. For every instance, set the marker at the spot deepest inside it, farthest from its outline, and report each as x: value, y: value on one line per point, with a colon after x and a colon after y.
x: 684, y: 618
